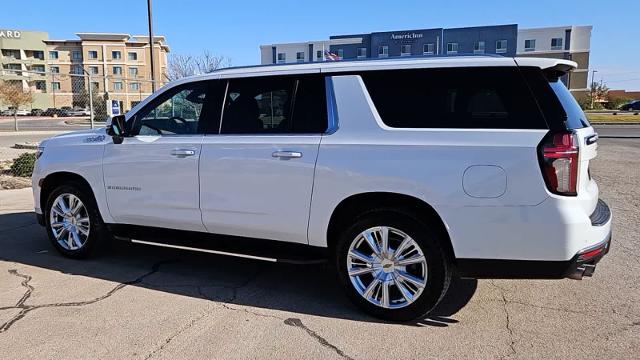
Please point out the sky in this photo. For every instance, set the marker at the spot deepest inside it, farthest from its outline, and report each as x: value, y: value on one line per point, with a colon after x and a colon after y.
x: 236, y: 29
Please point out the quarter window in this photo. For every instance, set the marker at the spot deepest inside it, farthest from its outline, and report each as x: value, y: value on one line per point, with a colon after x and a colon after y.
x: 486, y: 98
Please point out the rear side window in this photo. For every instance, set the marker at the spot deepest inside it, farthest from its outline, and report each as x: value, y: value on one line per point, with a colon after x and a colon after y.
x: 560, y: 108
x: 491, y: 98
x: 275, y: 105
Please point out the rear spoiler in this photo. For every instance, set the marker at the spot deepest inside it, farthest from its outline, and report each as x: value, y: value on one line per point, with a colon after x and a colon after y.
x: 552, y: 68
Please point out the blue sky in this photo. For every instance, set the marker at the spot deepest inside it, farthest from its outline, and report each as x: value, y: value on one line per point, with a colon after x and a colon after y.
x: 237, y: 28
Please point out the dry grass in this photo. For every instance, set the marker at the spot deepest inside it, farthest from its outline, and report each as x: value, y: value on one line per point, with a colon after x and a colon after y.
x: 614, y: 119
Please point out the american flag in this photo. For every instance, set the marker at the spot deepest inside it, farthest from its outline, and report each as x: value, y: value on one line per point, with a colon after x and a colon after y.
x: 331, y: 56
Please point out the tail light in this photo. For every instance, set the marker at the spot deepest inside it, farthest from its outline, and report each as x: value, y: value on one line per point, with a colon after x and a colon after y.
x: 560, y: 163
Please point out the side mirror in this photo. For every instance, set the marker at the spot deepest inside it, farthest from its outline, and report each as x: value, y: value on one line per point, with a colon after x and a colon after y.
x: 117, y: 130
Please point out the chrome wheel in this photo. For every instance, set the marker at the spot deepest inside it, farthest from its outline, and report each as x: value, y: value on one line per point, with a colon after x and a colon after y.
x: 387, y: 267
x: 69, y: 222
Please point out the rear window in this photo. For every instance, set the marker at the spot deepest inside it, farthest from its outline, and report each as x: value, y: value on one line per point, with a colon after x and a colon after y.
x: 576, y: 119
x: 491, y: 98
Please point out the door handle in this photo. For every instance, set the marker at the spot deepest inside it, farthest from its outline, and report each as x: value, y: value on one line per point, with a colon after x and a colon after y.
x: 183, y: 152
x: 287, y: 154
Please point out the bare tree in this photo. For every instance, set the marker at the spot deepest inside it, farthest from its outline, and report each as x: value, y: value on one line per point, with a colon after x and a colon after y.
x: 15, y: 96
x: 187, y: 65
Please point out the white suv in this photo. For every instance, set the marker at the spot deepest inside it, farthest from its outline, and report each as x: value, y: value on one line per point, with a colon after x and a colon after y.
x: 403, y: 173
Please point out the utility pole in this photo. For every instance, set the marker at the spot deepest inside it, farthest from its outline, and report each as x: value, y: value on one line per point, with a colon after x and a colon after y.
x: 593, y: 85
x: 153, y: 72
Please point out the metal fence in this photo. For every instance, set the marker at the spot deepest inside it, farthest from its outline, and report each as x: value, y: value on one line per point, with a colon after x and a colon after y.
x: 83, y: 93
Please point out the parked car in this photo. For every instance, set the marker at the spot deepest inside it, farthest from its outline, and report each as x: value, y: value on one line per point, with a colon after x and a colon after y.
x: 65, y: 111
x: 631, y: 106
x: 400, y: 173
x: 37, y: 112
x: 77, y: 111
x: 51, y: 112
x: 19, y: 112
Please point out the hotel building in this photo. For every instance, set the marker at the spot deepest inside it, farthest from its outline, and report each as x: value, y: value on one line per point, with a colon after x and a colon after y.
x: 57, y: 71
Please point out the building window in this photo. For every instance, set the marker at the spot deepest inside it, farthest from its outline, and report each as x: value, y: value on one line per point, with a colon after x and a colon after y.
x: 11, y: 54
x: 55, y: 86
x: 362, y: 53
x: 117, y: 86
x: 405, y: 50
x: 133, y: 72
x: 76, y: 55
x: 340, y: 54
x: 383, y: 51
x: 77, y: 69
x: 134, y: 86
x: 427, y: 49
x: 116, y: 55
x: 530, y: 45
x: 95, y: 85
x: 37, y: 68
x: 93, y: 54
x: 117, y: 70
x: 300, y: 56
x: 55, y: 69
x: 319, y: 55
x: 452, y: 48
x: 38, y: 54
x: 93, y: 70
x: 556, y: 44
x: 478, y: 47
x: 132, y: 56
x: 53, y: 55
x: 282, y: 58
x: 41, y: 85
x: 501, y: 46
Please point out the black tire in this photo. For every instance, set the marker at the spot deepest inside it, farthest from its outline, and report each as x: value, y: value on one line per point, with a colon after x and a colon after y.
x: 428, y: 239
x: 98, y: 238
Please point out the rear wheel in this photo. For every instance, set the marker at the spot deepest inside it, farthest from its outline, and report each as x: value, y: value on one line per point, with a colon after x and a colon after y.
x: 73, y: 222
x: 392, y: 265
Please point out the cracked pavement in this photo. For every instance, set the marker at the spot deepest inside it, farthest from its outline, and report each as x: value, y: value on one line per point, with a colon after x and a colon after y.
x: 139, y: 302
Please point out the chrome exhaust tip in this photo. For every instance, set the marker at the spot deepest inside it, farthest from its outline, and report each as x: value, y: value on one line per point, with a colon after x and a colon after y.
x: 581, y: 271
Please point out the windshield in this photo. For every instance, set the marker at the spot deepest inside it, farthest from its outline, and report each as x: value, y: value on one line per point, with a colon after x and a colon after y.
x: 576, y: 119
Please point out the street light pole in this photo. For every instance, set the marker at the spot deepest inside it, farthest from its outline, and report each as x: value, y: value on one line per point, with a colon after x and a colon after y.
x: 90, y: 96
x: 153, y: 72
x: 593, y: 83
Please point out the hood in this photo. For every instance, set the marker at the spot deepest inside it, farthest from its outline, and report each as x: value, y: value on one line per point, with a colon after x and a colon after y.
x: 98, y: 135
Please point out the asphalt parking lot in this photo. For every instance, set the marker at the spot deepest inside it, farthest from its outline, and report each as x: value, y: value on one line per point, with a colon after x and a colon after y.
x: 146, y: 303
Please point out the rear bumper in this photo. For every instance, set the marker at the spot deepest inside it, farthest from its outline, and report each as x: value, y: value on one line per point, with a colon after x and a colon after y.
x: 583, y: 263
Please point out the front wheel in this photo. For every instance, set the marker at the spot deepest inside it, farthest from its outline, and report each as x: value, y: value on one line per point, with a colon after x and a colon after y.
x: 392, y: 265
x: 73, y: 222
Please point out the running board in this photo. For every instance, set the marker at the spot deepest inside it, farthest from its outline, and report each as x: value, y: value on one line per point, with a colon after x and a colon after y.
x: 247, y: 248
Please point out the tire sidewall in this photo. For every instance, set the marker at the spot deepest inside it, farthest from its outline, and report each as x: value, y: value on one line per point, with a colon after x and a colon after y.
x: 96, y: 226
x: 438, y: 269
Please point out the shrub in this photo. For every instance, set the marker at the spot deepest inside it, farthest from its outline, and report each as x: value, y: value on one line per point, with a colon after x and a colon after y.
x: 23, y: 165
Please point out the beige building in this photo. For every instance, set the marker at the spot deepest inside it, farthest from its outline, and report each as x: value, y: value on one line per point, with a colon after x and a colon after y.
x: 59, y: 71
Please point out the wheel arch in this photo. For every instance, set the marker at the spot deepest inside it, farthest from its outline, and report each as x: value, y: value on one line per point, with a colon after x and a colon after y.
x: 359, y: 203
x: 51, y: 181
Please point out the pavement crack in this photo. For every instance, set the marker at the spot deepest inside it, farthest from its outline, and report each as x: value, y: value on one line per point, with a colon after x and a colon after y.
x: 298, y: 323
x: 184, y: 328
x: 25, y: 309
x: 512, y: 342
